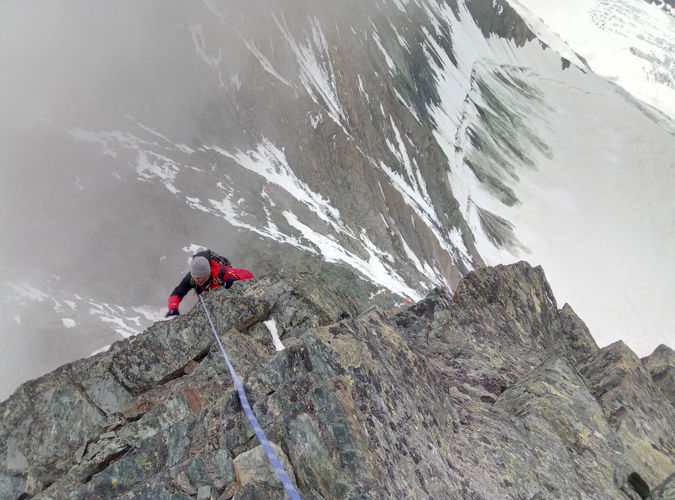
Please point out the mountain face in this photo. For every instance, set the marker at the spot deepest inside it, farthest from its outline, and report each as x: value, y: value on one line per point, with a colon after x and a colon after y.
x: 410, y: 141
x: 492, y: 392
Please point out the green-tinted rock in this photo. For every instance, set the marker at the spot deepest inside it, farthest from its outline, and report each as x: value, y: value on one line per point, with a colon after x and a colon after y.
x: 490, y: 393
x: 664, y: 491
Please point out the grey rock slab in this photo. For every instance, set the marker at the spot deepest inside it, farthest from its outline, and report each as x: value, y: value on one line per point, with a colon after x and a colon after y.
x: 636, y: 408
x: 255, y: 466
x: 661, y: 366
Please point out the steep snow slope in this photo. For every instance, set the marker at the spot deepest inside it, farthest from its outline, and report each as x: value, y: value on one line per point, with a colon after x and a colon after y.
x: 631, y: 42
x: 606, y: 203
x: 598, y: 210
x: 583, y: 177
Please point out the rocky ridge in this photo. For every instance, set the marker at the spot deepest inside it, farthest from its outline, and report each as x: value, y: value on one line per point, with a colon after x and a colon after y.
x: 490, y: 392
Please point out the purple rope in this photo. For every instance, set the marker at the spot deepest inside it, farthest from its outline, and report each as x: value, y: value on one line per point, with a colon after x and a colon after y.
x: 288, y: 485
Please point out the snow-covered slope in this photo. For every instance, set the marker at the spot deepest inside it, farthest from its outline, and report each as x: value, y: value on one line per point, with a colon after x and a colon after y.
x: 598, y: 210
x: 630, y: 42
x: 408, y: 141
x: 586, y: 178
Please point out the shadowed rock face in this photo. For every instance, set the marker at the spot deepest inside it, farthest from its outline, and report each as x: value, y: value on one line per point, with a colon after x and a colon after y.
x: 661, y: 366
x: 491, y: 393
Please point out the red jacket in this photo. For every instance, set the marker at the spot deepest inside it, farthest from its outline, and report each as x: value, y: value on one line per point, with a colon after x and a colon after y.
x: 220, y: 275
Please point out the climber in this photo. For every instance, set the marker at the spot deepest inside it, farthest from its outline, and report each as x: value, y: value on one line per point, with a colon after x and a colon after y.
x: 208, y: 270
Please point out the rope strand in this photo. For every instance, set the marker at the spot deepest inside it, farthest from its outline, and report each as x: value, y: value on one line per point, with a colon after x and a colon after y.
x: 288, y: 485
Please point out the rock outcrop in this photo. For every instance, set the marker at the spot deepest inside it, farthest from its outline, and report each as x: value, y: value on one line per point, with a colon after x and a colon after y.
x: 661, y: 366
x: 492, y: 392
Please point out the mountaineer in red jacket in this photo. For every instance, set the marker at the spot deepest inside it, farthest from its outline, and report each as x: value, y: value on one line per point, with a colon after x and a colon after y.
x: 206, y: 273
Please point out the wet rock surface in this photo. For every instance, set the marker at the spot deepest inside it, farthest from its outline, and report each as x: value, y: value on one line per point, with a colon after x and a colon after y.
x: 492, y: 392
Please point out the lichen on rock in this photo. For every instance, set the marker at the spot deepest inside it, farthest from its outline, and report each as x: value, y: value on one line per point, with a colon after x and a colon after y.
x: 492, y: 392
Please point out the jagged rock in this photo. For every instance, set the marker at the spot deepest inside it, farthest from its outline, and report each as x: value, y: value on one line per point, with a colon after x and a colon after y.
x: 635, y: 407
x: 490, y: 393
x: 504, y: 22
x: 562, y: 419
x: 578, y: 340
x: 214, y: 470
x: 254, y: 467
x: 521, y: 292
x: 661, y: 365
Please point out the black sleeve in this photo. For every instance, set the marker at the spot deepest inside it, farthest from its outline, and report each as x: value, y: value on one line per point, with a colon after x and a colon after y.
x: 183, y: 287
x: 222, y: 273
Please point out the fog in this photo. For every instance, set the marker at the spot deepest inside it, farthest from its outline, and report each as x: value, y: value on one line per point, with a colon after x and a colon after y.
x: 84, y: 234
x: 90, y: 92
x: 74, y: 222
x: 91, y: 65
x: 67, y: 56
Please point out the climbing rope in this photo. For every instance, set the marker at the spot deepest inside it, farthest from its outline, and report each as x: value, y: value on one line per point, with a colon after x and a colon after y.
x: 288, y: 485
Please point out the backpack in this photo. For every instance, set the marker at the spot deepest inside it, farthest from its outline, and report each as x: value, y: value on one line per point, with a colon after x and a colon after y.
x: 211, y: 255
